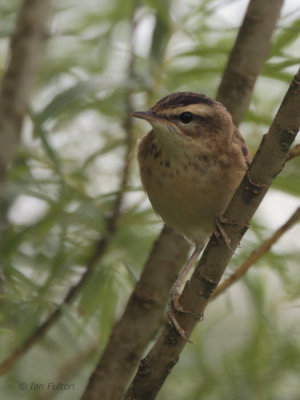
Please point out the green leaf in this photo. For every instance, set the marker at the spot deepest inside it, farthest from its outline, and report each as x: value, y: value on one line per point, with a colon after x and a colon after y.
x: 285, y: 37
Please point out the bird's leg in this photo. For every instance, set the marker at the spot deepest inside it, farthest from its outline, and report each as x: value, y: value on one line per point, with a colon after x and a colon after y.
x: 175, y: 294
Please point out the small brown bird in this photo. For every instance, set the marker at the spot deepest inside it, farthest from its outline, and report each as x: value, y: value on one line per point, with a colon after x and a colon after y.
x: 191, y: 163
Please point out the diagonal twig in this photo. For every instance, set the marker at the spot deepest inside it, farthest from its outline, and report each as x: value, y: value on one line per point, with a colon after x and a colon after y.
x: 256, y: 254
x: 293, y: 153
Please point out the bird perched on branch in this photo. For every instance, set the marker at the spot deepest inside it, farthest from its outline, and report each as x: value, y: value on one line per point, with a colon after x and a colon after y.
x: 191, y: 163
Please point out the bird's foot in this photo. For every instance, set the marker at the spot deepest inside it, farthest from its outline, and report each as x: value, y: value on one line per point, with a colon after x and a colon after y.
x: 220, y: 221
x: 174, y: 305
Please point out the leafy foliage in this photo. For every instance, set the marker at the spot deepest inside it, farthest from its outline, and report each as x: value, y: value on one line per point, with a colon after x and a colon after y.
x: 66, y: 177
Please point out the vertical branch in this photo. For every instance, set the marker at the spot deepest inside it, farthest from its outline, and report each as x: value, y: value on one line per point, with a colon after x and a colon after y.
x: 247, y: 56
x: 26, y: 54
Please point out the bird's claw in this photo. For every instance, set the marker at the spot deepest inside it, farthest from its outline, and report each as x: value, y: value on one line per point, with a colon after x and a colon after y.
x: 174, y: 305
x: 220, y: 220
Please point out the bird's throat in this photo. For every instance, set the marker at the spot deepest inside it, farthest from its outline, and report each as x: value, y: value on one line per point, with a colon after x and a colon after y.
x: 171, y: 142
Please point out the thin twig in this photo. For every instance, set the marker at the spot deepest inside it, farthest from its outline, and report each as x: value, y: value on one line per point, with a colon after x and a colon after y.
x: 293, y: 153
x: 256, y: 254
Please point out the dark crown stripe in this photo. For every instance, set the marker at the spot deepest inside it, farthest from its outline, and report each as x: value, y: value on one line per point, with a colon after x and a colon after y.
x: 182, y: 99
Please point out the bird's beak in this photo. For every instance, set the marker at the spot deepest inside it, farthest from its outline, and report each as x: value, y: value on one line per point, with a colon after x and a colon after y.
x: 153, y: 118
x: 147, y: 115
x: 158, y: 122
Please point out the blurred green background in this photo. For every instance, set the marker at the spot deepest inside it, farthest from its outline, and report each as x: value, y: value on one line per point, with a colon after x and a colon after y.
x: 105, y: 58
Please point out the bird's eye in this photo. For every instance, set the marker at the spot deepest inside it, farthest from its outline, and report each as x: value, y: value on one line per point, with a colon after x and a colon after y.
x: 186, y: 117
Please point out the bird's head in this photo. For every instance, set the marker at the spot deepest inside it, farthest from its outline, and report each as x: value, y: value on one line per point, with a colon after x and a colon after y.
x: 189, y: 115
